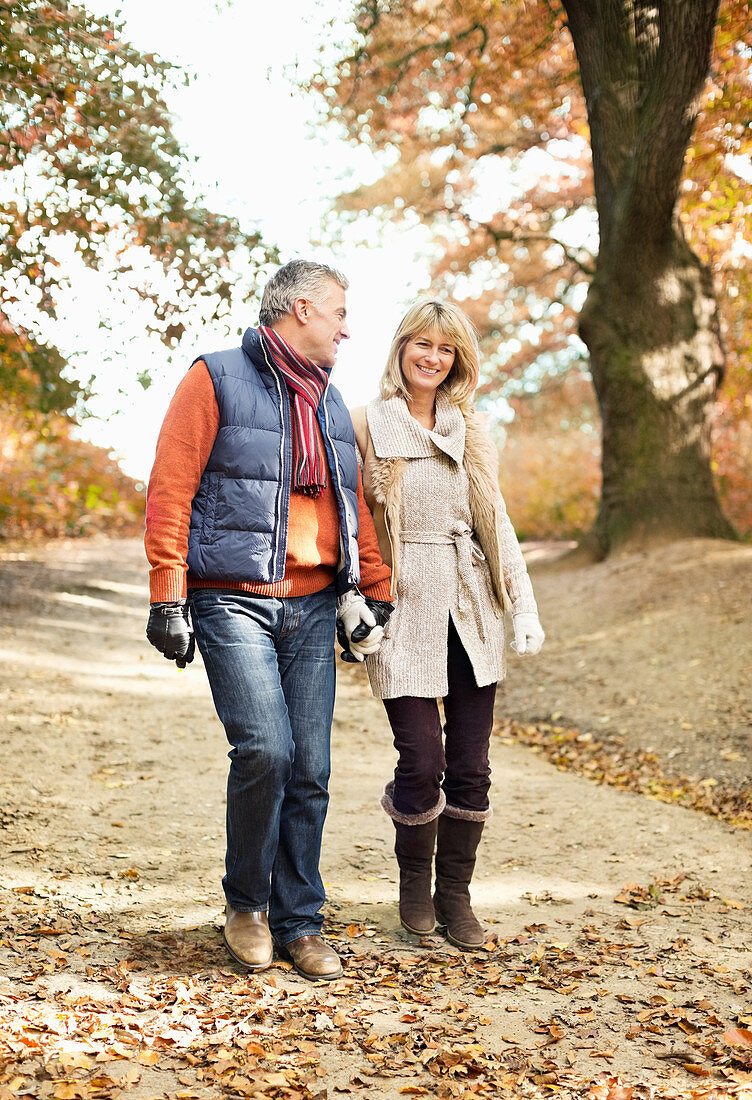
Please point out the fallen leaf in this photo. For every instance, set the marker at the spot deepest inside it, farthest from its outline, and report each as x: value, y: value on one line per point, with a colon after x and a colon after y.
x: 693, y: 1067
x: 277, y: 1079
x: 737, y: 1037
x: 611, y: 1090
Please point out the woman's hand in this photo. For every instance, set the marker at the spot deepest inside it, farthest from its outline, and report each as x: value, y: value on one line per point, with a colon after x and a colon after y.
x: 528, y: 634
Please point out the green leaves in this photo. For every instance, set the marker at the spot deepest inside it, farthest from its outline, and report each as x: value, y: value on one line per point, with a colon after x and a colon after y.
x: 87, y: 151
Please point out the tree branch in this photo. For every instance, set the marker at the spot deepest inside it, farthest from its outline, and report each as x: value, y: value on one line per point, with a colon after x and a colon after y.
x: 529, y: 237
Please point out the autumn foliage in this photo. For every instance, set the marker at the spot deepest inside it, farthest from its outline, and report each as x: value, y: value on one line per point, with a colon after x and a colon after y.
x: 550, y: 461
x: 478, y: 114
x: 93, y: 176
x: 53, y: 485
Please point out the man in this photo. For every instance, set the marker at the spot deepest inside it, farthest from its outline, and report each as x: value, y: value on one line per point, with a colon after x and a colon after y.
x: 252, y: 524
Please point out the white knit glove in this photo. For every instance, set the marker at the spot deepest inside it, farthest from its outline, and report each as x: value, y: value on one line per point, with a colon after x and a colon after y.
x: 353, y: 612
x: 528, y: 634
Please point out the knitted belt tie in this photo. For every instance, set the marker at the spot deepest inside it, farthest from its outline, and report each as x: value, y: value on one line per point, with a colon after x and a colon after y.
x: 461, y: 537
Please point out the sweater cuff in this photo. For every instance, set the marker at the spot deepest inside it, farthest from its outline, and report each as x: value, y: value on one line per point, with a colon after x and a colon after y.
x: 379, y: 591
x: 167, y: 585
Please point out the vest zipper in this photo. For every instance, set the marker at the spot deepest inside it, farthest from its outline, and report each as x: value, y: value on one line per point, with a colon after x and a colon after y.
x: 277, y: 517
x: 348, y: 532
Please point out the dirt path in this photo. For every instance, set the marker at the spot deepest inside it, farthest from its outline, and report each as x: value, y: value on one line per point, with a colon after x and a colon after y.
x: 622, y: 925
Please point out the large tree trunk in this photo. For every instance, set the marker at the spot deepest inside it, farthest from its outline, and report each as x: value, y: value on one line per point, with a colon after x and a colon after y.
x: 656, y: 361
x: 650, y: 321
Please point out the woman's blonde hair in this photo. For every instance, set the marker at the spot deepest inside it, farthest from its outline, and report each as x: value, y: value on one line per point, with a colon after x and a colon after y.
x: 454, y: 327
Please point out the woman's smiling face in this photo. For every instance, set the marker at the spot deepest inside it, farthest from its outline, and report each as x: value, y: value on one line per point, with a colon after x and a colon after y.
x: 427, y: 359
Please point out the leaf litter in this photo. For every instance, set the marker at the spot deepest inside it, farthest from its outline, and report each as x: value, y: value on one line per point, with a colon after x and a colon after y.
x: 93, y: 1008
x: 104, y: 992
x: 612, y: 761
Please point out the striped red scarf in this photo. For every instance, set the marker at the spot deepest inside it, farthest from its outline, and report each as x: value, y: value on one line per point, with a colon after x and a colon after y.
x: 306, y: 383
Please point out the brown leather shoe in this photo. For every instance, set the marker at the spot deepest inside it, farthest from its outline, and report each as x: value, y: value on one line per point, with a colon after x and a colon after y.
x: 248, y: 939
x: 312, y: 958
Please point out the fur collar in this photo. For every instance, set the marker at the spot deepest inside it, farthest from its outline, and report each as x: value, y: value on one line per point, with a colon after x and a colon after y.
x: 389, y: 425
x: 396, y: 434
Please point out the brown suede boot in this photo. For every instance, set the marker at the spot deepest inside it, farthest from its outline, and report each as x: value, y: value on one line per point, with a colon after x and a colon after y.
x: 414, y: 846
x: 456, y: 845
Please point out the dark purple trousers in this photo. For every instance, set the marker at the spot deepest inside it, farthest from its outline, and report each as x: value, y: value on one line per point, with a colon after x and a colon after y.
x: 456, y: 762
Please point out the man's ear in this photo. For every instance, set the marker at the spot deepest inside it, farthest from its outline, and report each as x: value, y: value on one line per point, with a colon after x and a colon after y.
x: 301, y: 309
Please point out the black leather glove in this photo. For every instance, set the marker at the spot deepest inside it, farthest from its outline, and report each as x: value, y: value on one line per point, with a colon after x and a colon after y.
x: 382, y: 609
x: 169, y: 631
x: 344, y: 641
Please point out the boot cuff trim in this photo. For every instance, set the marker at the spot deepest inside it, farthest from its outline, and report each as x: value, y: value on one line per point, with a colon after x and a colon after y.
x: 410, y: 819
x: 467, y: 815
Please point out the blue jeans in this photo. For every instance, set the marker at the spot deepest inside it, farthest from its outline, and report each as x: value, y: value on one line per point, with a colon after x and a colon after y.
x: 270, y: 664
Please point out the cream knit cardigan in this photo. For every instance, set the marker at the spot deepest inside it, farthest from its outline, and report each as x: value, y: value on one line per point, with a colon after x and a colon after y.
x: 443, y: 527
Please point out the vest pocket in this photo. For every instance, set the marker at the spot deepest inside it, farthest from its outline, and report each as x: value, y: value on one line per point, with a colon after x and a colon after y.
x: 210, y: 509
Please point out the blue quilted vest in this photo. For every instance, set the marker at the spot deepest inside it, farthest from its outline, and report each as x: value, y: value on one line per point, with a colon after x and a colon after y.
x: 240, y: 512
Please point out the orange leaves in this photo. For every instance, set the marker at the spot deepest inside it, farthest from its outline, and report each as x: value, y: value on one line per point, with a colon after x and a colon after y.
x: 639, y: 897
x: 608, y: 760
x: 738, y: 1037
x: 354, y: 930
x: 130, y: 873
x: 732, y: 439
x: 554, y: 1032
x: 174, y: 1004
x: 550, y: 458
x: 612, y: 1089
x: 485, y: 113
x: 55, y: 486
x: 697, y: 1070
x: 571, y: 1008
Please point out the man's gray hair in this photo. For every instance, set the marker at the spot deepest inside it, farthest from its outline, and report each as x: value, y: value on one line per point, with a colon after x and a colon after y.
x: 298, y: 279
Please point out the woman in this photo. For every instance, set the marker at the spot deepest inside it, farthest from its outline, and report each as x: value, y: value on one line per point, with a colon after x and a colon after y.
x: 430, y: 480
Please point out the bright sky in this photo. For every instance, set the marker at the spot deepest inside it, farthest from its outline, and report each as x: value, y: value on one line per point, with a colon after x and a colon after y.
x: 260, y: 158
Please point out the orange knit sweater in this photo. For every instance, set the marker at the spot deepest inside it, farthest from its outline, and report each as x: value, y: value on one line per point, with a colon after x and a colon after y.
x: 183, y: 448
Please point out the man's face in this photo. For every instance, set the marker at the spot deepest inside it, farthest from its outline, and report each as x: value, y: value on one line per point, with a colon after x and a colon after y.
x: 326, y: 326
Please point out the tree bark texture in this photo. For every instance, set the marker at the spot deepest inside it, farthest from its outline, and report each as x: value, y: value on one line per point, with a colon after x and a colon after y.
x: 650, y: 321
